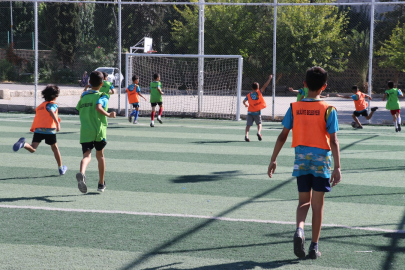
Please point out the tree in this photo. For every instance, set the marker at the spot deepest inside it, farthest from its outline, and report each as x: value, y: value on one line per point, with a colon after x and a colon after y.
x: 393, y: 50
x: 359, y: 45
x: 62, y: 25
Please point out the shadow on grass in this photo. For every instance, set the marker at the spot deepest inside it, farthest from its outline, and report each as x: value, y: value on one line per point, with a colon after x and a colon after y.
x: 356, y: 142
x: 216, y: 176
x: 214, y: 142
x: 29, y: 177
x: 39, y: 198
x: 146, y: 256
x: 243, y: 265
x: 393, y: 249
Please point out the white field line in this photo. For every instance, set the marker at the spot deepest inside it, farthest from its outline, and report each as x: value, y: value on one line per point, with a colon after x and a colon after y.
x: 191, y: 216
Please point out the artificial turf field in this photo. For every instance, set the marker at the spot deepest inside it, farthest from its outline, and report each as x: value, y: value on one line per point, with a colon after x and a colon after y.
x: 165, y: 184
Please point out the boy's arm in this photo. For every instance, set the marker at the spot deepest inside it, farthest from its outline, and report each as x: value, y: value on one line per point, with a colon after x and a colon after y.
x: 401, y: 95
x: 292, y: 90
x: 85, y: 88
x: 385, y: 95
x: 326, y: 96
x: 53, y: 115
x: 334, y: 145
x: 277, y: 148
x: 344, y: 96
x: 369, y: 97
x: 244, y: 103
x: 266, y: 83
x: 160, y: 91
x: 142, y: 96
x: 100, y: 109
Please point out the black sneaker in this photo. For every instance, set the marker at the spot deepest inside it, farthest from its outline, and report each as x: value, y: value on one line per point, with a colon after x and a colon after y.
x: 101, y: 188
x: 129, y: 118
x: 247, y: 139
x: 359, y: 127
x: 160, y: 120
x: 399, y: 127
x: 396, y: 130
x: 259, y: 136
x: 81, y: 182
x: 299, y: 243
x: 374, y: 109
x: 314, y: 253
x: 152, y: 124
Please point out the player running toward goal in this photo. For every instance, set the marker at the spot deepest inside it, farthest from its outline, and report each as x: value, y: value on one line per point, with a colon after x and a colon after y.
x: 360, y: 104
x: 134, y: 92
x: 393, y: 105
x: 93, y: 129
x: 156, y: 98
x: 256, y: 104
x: 314, y: 124
x: 46, y: 124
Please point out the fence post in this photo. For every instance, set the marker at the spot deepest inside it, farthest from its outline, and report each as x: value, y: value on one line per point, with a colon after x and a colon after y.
x: 119, y: 55
x: 274, y: 58
x: 36, y: 51
x: 370, y: 57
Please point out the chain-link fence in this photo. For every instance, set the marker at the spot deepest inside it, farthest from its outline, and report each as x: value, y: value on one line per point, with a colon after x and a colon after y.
x: 59, y: 41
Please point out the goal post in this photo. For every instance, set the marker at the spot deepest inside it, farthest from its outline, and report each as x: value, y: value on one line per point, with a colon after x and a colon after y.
x: 180, y: 74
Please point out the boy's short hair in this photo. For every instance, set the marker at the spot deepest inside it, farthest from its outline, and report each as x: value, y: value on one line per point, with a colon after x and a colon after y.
x: 255, y: 86
x: 315, y: 78
x: 135, y: 77
x: 156, y: 75
x: 96, y: 78
x: 354, y: 87
x: 50, y: 92
x: 391, y: 84
x: 105, y: 75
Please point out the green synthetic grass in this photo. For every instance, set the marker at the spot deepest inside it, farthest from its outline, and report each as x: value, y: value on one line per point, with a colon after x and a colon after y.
x: 202, y: 168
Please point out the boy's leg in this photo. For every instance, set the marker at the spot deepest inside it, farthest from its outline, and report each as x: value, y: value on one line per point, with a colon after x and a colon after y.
x: 394, y: 119
x: 247, y: 133
x: 85, y: 161
x: 101, y: 166
x: 136, y: 115
x: 317, y: 202
x: 304, y: 202
x: 80, y: 177
x: 398, y: 120
x: 368, y: 117
x: 160, y: 113
x: 31, y: 147
x: 259, y: 130
x: 356, y: 120
x: 152, y: 117
x: 56, y: 153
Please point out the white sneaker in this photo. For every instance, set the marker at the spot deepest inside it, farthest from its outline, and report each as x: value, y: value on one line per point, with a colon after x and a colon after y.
x: 81, y: 182
x: 152, y: 123
x: 159, y: 119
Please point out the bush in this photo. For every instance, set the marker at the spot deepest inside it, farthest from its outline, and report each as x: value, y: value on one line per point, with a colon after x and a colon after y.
x: 7, y: 71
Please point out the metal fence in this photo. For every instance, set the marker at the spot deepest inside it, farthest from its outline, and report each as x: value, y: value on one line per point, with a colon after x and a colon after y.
x: 357, y: 42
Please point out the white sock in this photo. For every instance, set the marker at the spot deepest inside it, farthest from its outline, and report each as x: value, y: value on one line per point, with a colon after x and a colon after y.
x: 399, y: 120
x: 153, y: 122
x: 60, y: 167
x: 396, y: 124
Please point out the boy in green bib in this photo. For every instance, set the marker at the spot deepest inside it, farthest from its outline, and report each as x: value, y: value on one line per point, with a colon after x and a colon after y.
x: 393, y: 105
x: 156, y: 98
x: 93, y: 129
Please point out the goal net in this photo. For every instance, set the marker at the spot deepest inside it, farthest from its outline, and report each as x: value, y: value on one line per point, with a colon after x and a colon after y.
x: 207, y: 86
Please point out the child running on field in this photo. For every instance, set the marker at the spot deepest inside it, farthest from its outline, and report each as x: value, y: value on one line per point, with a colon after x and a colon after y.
x: 393, y: 105
x: 93, y: 129
x: 156, y: 98
x: 46, y: 124
x: 134, y: 92
x: 314, y: 124
x: 360, y: 104
x: 256, y: 104
x: 107, y: 86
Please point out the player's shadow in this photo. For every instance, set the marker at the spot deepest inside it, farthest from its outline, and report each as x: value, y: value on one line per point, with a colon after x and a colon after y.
x: 72, y: 132
x: 28, y: 177
x: 215, y: 176
x: 214, y: 142
x: 242, y: 265
x: 47, y: 199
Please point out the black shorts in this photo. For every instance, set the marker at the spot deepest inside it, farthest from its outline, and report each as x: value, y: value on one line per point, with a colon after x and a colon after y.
x: 153, y: 104
x: 90, y: 145
x: 50, y: 139
x: 362, y: 113
x: 307, y: 182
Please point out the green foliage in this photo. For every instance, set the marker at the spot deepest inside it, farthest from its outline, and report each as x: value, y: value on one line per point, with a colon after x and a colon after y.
x: 97, y: 58
x: 7, y: 72
x: 393, y: 49
x: 359, y: 45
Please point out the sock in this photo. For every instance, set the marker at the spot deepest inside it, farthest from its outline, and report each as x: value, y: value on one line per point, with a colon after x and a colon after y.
x: 152, y: 116
x: 60, y: 167
x: 313, y: 246
x: 396, y: 124
x: 160, y: 111
x: 136, y: 115
x: 133, y: 113
x: 399, y: 120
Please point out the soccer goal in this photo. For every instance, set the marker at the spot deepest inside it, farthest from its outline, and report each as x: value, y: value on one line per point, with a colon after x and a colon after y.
x: 207, y: 86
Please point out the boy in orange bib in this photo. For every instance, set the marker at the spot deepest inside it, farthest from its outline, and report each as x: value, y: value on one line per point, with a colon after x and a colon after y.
x: 46, y: 124
x: 256, y: 104
x: 314, y: 125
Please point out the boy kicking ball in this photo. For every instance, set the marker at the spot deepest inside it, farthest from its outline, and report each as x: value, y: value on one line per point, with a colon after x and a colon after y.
x: 46, y: 124
x: 314, y: 125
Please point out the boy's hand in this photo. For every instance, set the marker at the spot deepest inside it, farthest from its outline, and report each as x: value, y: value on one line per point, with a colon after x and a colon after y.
x: 112, y: 114
x: 57, y: 127
x: 246, y: 105
x: 335, y: 177
x: 272, y: 168
x: 369, y: 97
x: 290, y: 89
x: 144, y: 99
x: 112, y: 91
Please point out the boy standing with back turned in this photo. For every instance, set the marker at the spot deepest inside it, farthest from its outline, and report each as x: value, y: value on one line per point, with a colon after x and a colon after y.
x: 314, y: 124
x: 393, y: 105
x: 156, y: 98
x: 93, y: 129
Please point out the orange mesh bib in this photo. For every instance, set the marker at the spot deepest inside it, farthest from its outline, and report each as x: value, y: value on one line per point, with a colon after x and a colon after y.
x: 43, y: 118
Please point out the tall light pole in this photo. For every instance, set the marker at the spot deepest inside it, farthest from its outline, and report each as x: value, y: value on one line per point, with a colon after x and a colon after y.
x: 11, y: 16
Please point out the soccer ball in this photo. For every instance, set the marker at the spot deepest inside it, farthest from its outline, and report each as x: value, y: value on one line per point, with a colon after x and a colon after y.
x: 354, y: 124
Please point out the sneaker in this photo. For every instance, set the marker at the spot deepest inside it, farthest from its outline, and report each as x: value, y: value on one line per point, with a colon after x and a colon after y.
x: 129, y: 118
x: 259, y: 136
x: 299, y: 243
x: 18, y: 145
x: 101, y: 188
x: 136, y: 122
x: 374, y: 109
x: 396, y: 130
x: 152, y: 124
x: 160, y: 120
x: 399, y: 127
x: 63, y: 170
x: 81, y: 182
x: 314, y: 253
x: 359, y: 127
x: 247, y: 139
